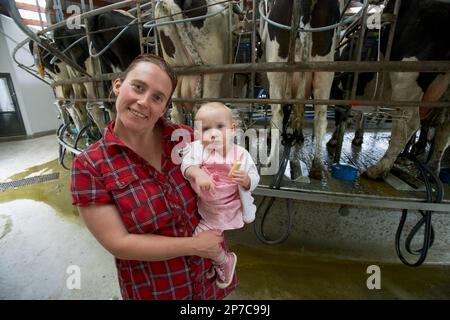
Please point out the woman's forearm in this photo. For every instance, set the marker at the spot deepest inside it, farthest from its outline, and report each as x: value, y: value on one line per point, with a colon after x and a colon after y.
x: 150, y: 247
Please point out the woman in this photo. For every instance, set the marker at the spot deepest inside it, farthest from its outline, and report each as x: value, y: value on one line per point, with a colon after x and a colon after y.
x: 134, y: 199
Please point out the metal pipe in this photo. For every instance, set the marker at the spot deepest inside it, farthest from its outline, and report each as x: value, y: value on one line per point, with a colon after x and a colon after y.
x: 40, y: 14
x: 253, y: 55
x: 230, y: 46
x: 139, y: 18
x: 354, y: 103
x: 361, y: 39
x: 67, y: 146
x: 387, y: 54
x: 337, y: 66
x: 89, y: 14
x: 353, y: 199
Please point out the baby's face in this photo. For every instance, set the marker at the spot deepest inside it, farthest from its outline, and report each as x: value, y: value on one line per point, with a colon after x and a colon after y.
x: 215, y: 127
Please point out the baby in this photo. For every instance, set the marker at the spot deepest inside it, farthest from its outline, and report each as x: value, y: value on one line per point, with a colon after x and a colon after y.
x: 223, y: 174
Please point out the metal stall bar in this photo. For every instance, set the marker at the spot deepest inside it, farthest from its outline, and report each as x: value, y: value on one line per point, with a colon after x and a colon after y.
x: 291, y: 101
x: 353, y: 199
x: 337, y: 66
x: 253, y: 56
x: 387, y: 54
x: 139, y: 17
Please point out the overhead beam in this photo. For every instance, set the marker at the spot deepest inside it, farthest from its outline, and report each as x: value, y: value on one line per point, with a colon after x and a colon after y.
x: 29, y: 7
x: 33, y: 22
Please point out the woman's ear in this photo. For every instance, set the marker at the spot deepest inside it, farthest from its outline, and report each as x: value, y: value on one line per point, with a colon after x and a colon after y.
x: 116, y: 86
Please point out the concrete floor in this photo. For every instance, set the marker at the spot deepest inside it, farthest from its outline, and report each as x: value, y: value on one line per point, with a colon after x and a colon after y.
x: 325, y: 257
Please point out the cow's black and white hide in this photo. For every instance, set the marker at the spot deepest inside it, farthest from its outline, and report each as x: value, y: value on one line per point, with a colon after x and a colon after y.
x: 317, y: 46
x: 125, y: 48
x: 421, y: 33
x: 203, y: 41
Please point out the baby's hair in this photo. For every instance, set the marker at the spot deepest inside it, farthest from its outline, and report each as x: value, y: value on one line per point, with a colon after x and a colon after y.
x: 215, y: 105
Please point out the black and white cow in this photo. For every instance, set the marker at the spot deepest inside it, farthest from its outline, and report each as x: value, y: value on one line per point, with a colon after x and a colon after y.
x: 203, y: 41
x: 421, y: 34
x: 317, y: 46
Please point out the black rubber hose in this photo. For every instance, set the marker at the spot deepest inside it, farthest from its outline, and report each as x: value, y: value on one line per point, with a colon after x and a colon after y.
x: 429, y: 178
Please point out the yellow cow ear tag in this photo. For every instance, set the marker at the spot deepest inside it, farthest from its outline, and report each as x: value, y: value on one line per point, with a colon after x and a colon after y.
x: 41, y: 70
x: 38, y: 60
x: 236, y: 166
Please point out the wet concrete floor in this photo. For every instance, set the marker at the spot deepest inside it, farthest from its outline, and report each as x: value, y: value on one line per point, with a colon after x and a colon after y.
x: 41, y: 236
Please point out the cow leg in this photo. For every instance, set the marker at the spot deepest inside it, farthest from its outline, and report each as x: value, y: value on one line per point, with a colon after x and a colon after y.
x: 77, y: 115
x: 441, y: 143
x: 301, y: 87
x: 212, y: 85
x: 406, y: 121
x: 96, y: 111
x: 277, y: 89
x: 340, y: 117
x: 322, y: 82
x: 442, y: 136
x: 359, y: 129
x: 61, y: 106
x: 177, y: 114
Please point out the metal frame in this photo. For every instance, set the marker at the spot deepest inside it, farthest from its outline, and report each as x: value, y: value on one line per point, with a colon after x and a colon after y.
x: 252, y: 68
x: 353, y: 199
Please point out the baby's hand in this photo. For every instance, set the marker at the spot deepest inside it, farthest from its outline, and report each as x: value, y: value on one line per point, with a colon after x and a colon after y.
x: 204, y: 182
x: 242, y: 179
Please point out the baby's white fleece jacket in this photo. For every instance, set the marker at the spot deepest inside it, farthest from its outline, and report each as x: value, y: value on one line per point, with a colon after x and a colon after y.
x: 193, y: 154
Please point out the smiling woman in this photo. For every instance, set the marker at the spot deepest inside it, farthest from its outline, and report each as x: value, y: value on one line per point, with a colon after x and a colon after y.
x: 135, y: 200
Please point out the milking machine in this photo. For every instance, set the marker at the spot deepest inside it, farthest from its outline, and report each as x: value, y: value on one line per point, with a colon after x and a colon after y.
x: 288, y: 140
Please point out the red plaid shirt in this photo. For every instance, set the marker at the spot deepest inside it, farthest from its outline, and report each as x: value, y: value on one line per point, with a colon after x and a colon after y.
x: 108, y: 172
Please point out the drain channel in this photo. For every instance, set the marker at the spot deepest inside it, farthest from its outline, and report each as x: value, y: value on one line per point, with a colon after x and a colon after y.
x: 28, y: 181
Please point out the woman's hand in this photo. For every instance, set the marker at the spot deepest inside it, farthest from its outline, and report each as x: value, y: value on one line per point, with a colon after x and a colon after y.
x: 241, y: 178
x: 208, y: 244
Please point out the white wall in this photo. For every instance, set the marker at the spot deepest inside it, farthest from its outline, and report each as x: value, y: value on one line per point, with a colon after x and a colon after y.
x: 36, y: 99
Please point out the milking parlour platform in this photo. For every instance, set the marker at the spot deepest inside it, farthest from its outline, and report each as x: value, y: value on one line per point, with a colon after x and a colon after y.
x: 401, y: 189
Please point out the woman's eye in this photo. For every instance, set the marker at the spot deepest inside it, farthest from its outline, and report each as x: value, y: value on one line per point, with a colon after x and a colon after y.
x: 137, y: 87
x: 220, y: 126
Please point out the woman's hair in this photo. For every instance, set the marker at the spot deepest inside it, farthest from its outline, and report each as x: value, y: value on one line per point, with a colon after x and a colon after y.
x: 155, y: 60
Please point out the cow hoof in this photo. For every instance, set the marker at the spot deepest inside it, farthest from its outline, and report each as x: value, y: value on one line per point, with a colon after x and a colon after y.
x: 403, y: 161
x: 373, y: 173
x: 357, y: 142
x: 332, y: 143
x: 316, y: 171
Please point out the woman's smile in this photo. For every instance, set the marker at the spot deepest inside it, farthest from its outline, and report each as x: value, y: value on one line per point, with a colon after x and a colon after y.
x: 138, y: 114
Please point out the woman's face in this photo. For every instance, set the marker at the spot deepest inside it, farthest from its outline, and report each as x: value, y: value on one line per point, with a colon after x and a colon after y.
x: 142, y: 96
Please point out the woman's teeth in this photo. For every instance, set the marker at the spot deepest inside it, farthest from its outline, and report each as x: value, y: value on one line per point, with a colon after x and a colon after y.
x: 138, y: 114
